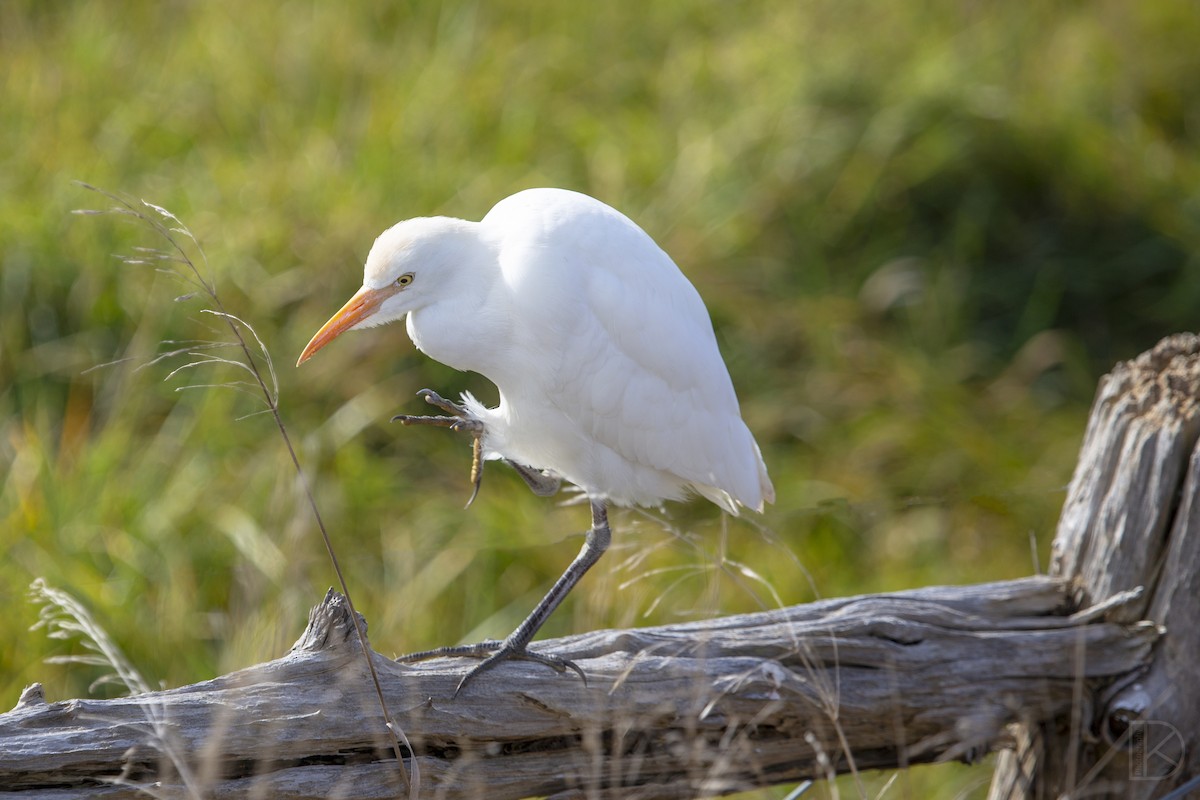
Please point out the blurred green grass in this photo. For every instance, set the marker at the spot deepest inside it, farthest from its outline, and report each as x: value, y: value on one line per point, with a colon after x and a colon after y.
x: 923, y: 231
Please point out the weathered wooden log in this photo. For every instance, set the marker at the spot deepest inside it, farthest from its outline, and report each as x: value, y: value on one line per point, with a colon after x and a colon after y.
x: 1131, y: 521
x: 679, y: 711
x: 1062, y: 670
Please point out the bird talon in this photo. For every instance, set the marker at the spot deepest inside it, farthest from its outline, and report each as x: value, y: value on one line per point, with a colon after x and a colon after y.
x: 504, y: 653
x: 449, y: 406
x: 462, y: 420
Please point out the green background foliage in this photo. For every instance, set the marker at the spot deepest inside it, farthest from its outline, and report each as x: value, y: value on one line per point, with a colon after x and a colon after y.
x: 923, y: 231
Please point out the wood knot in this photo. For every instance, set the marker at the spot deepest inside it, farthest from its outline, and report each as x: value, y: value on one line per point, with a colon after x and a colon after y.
x: 330, y: 625
x: 32, y: 695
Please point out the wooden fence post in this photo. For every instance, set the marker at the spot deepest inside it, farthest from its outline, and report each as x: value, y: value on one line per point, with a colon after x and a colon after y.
x: 1131, y: 523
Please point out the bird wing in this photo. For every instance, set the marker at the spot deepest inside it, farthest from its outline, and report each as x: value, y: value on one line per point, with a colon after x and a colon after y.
x: 633, y: 360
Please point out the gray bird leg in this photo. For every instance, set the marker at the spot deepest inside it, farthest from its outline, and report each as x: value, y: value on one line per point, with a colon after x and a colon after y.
x: 540, y: 483
x: 515, y: 646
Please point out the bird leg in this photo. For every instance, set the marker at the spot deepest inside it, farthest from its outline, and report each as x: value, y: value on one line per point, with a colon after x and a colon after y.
x: 460, y: 419
x: 516, y: 644
x: 540, y: 483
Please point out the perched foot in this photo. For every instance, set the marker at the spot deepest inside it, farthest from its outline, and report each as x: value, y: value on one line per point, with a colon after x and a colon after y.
x: 460, y: 419
x: 492, y: 653
x: 516, y: 645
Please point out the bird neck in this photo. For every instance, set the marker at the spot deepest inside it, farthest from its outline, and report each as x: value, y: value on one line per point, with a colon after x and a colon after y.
x: 469, y: 327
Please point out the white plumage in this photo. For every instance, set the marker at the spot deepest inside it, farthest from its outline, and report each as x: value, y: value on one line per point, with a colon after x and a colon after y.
x: 605, y: 359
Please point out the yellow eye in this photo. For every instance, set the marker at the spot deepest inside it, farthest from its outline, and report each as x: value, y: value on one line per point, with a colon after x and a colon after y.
x: 404, y: 280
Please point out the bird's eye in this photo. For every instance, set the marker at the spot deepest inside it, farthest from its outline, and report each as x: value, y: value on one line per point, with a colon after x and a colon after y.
x: 405, y: 279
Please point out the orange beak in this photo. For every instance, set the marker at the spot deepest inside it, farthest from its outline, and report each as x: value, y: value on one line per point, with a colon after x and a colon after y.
x: 364, y: 303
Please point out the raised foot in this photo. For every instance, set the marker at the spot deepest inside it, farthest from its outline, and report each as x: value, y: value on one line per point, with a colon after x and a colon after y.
x: 460, y: 419
x: 543, y: 484
x: 493, y: 653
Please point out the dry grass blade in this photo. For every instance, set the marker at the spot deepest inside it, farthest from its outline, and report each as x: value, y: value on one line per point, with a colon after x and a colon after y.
x: 64, y: 617
x: 178, y: 259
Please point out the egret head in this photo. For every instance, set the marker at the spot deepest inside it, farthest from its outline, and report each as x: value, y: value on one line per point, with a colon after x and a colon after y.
x: 409, y: 266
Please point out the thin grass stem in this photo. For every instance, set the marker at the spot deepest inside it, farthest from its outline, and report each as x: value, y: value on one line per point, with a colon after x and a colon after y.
x: 194, y: 274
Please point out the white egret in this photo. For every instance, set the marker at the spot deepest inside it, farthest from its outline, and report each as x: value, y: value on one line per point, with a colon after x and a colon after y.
x: 603, y: 353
